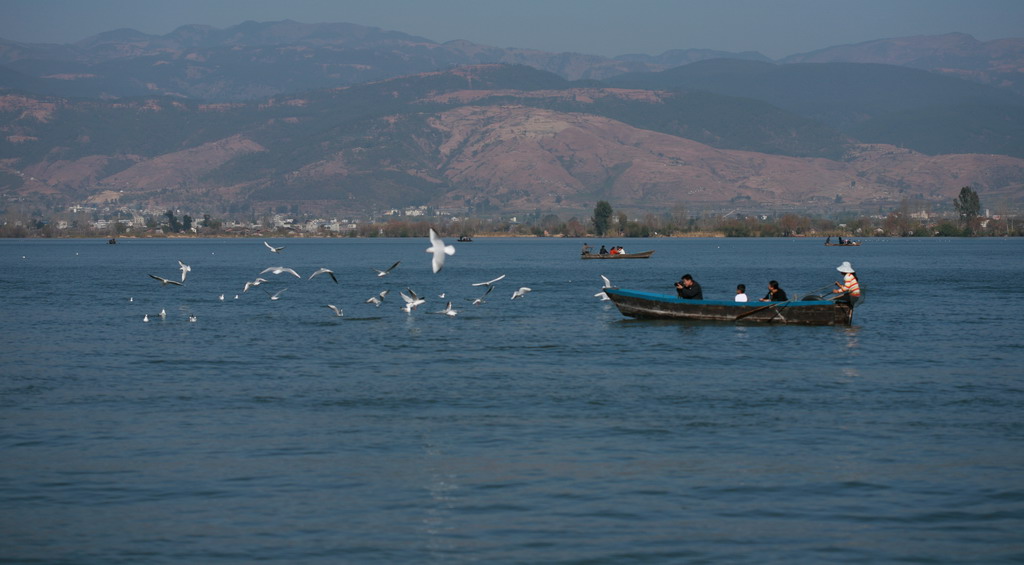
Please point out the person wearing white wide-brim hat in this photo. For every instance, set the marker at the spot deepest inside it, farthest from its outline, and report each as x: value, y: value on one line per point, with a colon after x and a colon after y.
x: 850, y: 286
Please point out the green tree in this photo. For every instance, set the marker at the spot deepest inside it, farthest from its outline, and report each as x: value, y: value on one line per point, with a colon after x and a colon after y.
x: 602, y: 217
x: 968, y: 206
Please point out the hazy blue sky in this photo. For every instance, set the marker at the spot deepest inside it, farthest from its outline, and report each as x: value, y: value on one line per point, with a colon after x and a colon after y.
x: 776, y: 28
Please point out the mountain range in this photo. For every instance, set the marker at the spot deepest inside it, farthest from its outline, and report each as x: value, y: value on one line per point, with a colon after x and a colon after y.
x: 346, y: 118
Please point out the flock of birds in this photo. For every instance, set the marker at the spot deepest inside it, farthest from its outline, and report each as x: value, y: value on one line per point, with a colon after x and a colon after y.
x: 438, y: 250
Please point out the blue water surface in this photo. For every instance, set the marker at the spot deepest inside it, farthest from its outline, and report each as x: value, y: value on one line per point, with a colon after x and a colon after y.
x: 549, y: 429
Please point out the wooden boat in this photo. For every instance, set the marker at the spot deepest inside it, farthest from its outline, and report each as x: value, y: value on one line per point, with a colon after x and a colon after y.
x: 641, y: 255
x: 810, y: 311
x: 847, y: 244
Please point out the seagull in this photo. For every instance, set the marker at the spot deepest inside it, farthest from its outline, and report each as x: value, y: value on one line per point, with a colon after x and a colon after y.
x: 521, y: 292
x: 276, y: 295
x: 166, y: 282
x: 145, y: 318
x: 337, y: 311
x: 185, y: 269
x: 479, y: 301
x: 381, y: 273
x: 411, y: 301
x: 490, y: 282
x: 376, y: 300
x: 272, y: 248
x: 602, y: 295
x: 163, y: 313
x: 607, y: 283
x: 221, y: 298
x: 448, y: 311
x: 257, y: 282
x: 191, y: 317
x: 322, y: 270
x: 439, y: 249
x: 279, y: 270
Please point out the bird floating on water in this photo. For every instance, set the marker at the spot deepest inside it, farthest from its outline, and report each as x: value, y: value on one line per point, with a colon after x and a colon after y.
x: 439, y: 249
x: 145, y: 318
x: 272, y: 248
x: 448, y: 310
x: 191, y: 317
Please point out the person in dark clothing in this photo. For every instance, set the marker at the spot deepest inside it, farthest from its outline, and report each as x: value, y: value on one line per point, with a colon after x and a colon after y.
x: 603, y: 251
x: 689, y: 288
x: 775, y: 294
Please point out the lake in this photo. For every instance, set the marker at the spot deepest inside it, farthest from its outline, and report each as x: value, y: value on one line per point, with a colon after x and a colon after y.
x: 545, y: 429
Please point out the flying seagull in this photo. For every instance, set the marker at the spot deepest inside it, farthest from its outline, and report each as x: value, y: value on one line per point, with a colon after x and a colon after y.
x: 607, y: 283
x: 521, y: 292
x: 279, y: 270
x: 381, y: 273
x: 376, y: 300
x: 322, y: 270
x: 249, y: 284
x: 276, y: 295
x: 165, y: 282
x: 490, y: 282
x: 479, y: 301
x: 411, y: 301
x: 185, y: 269
x: 439, y: 249
x: 337, y: 311
x: 272, y: 248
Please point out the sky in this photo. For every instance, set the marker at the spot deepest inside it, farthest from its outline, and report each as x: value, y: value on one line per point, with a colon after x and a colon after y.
x: 775, y: 28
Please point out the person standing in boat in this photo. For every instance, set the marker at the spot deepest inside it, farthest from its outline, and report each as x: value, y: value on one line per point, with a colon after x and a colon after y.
x: 775, y: 293
x: 586, y: 249
x: 689, y: 289
x: 741, y: 293
x: 850, y: 286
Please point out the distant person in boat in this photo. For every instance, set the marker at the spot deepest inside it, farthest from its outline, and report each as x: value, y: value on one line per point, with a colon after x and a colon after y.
x: 840, y: 240
x: 775, y: 293
x: 603, y: 251
x: 586, y: 249
x: 689, y: 288
x: 850, y: 286
x: 621, y: 251
x: 614, y: 251
x: 828, y: 240
x: 741, y: 293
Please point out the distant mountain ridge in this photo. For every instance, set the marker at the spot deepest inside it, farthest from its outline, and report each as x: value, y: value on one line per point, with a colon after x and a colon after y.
x: 466, y: 139
x: 256, y: 59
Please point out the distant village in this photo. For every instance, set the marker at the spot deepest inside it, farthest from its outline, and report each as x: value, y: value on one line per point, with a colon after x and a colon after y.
x: 25, y: 219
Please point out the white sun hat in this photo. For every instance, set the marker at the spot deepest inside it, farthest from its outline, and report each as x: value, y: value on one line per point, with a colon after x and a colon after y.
x: 845, y: 267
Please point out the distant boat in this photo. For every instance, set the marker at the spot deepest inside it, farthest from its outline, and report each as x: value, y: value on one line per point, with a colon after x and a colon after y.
x: 847, y: 243
x: 112, y: 241
x: 811, y: 311
x: 464, y: 239
x: 641, y: 255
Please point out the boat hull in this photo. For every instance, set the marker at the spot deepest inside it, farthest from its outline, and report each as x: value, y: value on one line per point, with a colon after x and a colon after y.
x: 641, y: 255
x: 649, y: 305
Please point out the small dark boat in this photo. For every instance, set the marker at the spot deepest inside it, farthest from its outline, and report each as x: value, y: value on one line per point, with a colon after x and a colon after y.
x: 641, y: 255
x: 112, y: 241
x: 464, y: 239
x: 846, y: 244
x: 810, y: 311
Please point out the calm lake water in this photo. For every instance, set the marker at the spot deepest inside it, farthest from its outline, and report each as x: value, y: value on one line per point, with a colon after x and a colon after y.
x: 549, y: 429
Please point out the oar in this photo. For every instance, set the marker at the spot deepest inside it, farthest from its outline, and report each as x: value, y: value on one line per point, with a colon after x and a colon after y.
x: 756, y: 310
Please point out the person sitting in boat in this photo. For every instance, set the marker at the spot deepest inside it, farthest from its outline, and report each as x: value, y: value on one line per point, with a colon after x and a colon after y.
x: 602, y: 251
x: 850, y: 287
x: 741, y: 293
x: 828, y: 240
x: 689, y: 289
x: 841, y: 240
x: 614, y: 251
x: 586, y: 249
x: 775, y: 293
x: 621, y: 250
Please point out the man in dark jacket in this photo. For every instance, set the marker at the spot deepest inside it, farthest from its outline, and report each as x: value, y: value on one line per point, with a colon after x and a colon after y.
x: 775, y: 294
x: 689, y: 288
